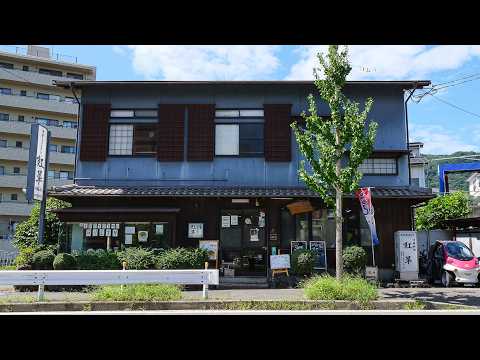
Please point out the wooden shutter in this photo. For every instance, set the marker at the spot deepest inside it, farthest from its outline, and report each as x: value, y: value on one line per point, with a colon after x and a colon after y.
x: 93, y: 146
x: 201, y: 132
x: 171, y: 125
x: 278, y: 132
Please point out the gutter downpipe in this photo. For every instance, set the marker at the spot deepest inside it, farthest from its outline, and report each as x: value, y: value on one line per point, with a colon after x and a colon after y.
x: 408, y: 135
x: 78, y: 129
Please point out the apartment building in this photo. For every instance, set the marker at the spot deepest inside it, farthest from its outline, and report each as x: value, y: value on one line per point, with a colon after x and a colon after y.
x: 27, y: 96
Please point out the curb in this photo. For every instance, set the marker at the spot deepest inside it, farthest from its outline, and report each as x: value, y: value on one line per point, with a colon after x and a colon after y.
x: 203, y: 305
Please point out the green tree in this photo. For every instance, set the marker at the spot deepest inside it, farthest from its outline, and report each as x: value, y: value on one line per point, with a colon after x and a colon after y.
x: 26, y: 233
x: 334, y: 146
x: 449, y: 206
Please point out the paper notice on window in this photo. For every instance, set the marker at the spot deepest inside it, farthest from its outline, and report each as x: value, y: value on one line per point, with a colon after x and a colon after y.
x: 108, y: 232
x: 94, y: 232
x: 254, y: 234
x: 128, y: 239
x: 101, y: 232
x: 88, y: 232
x: 159, y: 229
x: 234, y: 220
x: 114, y: 232
x: 130, y: 230
x: 225, y: 221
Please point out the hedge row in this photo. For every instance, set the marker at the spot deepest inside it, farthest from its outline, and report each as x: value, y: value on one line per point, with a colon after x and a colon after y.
x: 135, y: 258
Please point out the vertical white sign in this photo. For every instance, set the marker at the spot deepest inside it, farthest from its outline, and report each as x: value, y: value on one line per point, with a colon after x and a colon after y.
x: 40, y: 163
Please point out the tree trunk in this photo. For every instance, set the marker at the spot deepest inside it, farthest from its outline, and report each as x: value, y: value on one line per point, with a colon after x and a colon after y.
x: 338, y: 234
x: 338, y: 214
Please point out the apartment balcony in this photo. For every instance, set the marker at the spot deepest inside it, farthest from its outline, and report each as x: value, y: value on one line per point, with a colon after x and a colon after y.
x: 21, y: 154
x: 20, y: 181
x: 24, y: 128
x: 33, y: 103
x: 15, y: 208
x: 28, y: 77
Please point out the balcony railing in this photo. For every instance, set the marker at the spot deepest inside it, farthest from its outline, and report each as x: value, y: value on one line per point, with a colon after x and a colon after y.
x: 51, y: 98
x: 53, y: 105
x: 53, y: 56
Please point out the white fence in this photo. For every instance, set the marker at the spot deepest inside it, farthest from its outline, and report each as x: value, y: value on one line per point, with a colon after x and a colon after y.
x: 109, y: 277
x: 7, y: 258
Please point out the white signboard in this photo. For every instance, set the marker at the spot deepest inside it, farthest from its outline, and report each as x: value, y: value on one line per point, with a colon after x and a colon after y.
x: 128, y: 239
x: 234, y: 220
x: 142, y: 236
x: 211, y: 246
x: 40, y: 163
x: 225, y: 221
x: 130, y: 230
x: 195, y: 230
x: 280, y: 262
x: 406, y: 254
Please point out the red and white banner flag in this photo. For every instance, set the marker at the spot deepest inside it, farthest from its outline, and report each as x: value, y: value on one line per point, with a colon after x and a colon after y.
x: 365, y: 197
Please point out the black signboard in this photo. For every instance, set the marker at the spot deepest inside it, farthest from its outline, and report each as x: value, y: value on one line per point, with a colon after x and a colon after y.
x: 318, y: 247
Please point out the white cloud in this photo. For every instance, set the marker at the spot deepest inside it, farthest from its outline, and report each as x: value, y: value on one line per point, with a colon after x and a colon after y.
x: 389, y: 62
x: 438, y: 140
x: 199, y: 62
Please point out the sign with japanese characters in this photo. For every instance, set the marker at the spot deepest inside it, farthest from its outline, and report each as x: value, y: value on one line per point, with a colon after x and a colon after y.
x: 195, y: 230
x: 37, y: 166
x: 406, y: 251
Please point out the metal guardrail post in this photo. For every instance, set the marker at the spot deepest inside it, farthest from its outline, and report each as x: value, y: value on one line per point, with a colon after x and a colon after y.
x: 40, y: 293
x: 205, y: 284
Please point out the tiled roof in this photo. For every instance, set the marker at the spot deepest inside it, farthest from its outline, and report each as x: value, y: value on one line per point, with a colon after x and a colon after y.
x: 75, y: 190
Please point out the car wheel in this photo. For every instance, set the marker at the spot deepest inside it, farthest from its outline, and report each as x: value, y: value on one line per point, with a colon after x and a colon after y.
x: 446, y: 279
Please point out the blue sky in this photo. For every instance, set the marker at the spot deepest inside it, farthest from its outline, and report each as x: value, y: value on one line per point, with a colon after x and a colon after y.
x: 443, y: 128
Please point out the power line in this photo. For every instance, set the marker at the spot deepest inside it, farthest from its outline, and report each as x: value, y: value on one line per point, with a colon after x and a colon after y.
x: 455, y: 106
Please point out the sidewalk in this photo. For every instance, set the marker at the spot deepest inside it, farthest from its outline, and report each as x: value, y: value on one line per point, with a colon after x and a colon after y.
x: 460, y: 296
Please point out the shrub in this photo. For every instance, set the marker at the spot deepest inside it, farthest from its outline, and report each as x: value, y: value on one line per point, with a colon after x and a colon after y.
x: 303, y: 262
x: 64, y: 262
x: 138, y: 292
x: 26, y: 232
x: 25, y: 257
x: 354, y: 260
x: 96, y: 260
x: 43, y: 260
x: 326, y: 287
x: 137, y: 258
x: 182, y: 258
x: 449, y: 206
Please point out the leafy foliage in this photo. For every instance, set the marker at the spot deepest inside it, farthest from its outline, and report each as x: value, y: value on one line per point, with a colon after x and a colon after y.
x: 354, y: 260
x: 96, y: 260
x: 64, y: 261
x: 303, y: 262
x: 138, y: 292
x: 340, y: 137
x: 449, y: 206
x: 26, y: 233
x: 182, y: 258
x: 43, y: 260
x: 137, y: 258
x: 326, y: 287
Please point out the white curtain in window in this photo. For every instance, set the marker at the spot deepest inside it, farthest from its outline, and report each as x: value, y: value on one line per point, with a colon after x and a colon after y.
x: 226, y: 139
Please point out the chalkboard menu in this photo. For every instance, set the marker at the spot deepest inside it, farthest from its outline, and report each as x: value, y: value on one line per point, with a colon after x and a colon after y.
x: 298, y: 245
x: 318, y: 247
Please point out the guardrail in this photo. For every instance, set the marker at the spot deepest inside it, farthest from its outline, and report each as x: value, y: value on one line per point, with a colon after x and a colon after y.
x: 109, y: 277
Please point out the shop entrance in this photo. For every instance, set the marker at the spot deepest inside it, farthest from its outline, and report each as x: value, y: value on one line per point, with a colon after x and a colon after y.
x: 243, y: 245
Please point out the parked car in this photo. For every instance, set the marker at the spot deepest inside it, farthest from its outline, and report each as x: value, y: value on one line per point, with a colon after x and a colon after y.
x: 452, y: 262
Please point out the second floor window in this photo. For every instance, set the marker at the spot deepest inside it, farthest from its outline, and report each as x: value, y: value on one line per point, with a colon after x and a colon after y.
x: 379, y: 166
x: 239, y: 133
x: 5, y: 91
x: 52, y: 148
x: 3, y: 143
x: 18, y: 144
x: 4, y: 117
x: 6, y: 65
x: 50, y: 72
x: 132, y: 139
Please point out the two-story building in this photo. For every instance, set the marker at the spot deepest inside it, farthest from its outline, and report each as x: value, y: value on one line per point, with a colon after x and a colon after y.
x: 167, y: 163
